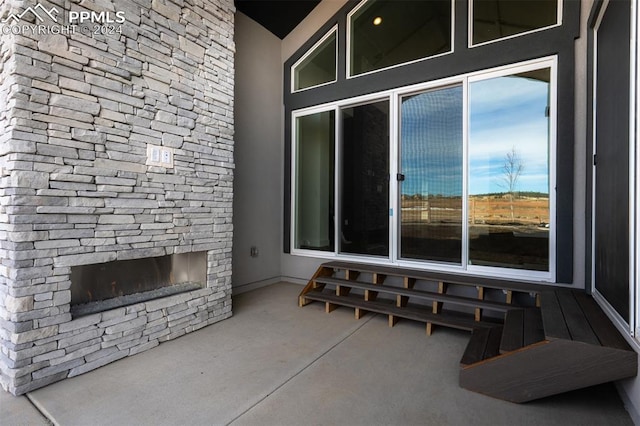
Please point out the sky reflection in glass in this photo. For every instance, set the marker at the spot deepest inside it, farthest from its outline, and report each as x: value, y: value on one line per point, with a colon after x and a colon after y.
x: 431, y: 134
x: 509, y: 113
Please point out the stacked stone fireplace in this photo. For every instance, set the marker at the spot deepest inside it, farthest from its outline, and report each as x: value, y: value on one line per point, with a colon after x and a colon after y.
x: 116, y: 156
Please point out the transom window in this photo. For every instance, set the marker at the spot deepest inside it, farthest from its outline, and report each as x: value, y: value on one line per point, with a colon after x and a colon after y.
x: 457, y: 173
x: 382, y: 34
x: 318, y: 66
x: 497, y: 19
x: 385, y: 33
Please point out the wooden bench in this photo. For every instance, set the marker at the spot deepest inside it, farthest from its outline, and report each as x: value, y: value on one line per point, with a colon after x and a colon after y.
x: 522, y: 327
x: 568, y: 344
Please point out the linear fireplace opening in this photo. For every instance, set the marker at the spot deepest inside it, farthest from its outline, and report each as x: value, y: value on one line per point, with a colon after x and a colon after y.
x: 103, y: 286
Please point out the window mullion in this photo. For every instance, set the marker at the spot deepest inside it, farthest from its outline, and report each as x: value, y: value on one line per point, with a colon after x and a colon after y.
x: 394, y: 152
x: 465, y: 173
x: 337, y: 193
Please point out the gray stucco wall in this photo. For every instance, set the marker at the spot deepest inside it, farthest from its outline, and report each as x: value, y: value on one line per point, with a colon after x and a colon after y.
x: 258, y: 156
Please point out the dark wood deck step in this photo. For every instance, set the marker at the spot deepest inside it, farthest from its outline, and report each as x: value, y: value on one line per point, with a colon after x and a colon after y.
x: 519, y: 286
x: 574, y: 315
x: 484, y: 344
x: 577, y: 324
x: 522, y: 327
x: 532, y: 327
x: 420, y: 294
x: 580, y: 347
x: 512, y: 333
x: 553, y: 321
x: 453, y: 320
x: 567, y: 342
x: 604, y: 329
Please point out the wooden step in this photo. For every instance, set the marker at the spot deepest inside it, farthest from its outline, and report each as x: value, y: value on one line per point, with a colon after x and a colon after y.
x: 467, y: 280
x: 601, y: 325
x: 484, y: 344
x: 573, y: 315
x: 522, y: 327
x: 323, y: 271
x: 418, y: 294
x: 411, y: 312
x: 581, y: 347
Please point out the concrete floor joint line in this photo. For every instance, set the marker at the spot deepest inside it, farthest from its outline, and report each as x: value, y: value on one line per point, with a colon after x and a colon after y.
x: 43, y: 412
x: 303, y: 369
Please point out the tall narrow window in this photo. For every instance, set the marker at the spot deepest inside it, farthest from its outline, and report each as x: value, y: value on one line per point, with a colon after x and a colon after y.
x: 509, y: 185
x: 431, y: 176
x: 496, y: 19
x: 318, y: 66
x: 314, y: 181
x: 364, y: 179
x: 384, y: 33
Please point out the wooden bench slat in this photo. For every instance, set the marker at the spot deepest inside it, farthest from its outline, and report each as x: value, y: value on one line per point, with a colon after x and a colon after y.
x: 422, y: 294
x: 532, y: 327
x: 493, y: 344
x: 552, y: 319
x: 607, y: 333
x: 484, y: 344
x: 577, y: 324
x: 512, y: 333
x: 474, y: 352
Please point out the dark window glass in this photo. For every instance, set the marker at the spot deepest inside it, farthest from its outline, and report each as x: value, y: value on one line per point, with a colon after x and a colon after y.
x: 611, y: 207
x: 319, y: 67
x: 314, y: 180
x: 387, y: 33
x: 495, y: 19
x: 364, y: 169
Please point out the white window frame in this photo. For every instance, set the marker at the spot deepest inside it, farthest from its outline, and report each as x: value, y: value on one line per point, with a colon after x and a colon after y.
x: 294, y: 182
x: 348, y: 53
x: 551, y: 63
x: 332, y: 31
x: 470, y: 27
x: 394, y: 96
x: 635, y: 135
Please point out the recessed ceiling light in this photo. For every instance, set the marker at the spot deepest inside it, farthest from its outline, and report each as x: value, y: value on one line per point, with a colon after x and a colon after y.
x: 377, y: 20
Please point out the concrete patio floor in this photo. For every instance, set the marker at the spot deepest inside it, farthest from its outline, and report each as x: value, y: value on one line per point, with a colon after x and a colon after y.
x: 273, y: 363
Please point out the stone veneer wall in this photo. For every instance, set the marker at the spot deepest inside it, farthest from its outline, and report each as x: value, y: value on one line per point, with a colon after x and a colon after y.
x: 76, y: 114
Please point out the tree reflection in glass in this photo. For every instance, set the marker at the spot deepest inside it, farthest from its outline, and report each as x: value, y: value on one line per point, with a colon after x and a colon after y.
x: 509, y: 171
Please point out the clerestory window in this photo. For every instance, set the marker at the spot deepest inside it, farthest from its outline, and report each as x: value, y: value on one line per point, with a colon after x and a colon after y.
x: 385, y: 33
x: 498, y: 19
x: 318, y: 66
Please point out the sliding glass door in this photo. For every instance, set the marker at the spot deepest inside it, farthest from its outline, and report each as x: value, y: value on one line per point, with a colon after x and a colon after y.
x: 364, y: 180
x: 314, y: 181
x: 431, y: 178
x: 509, y: 173
x: 457, y: 176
